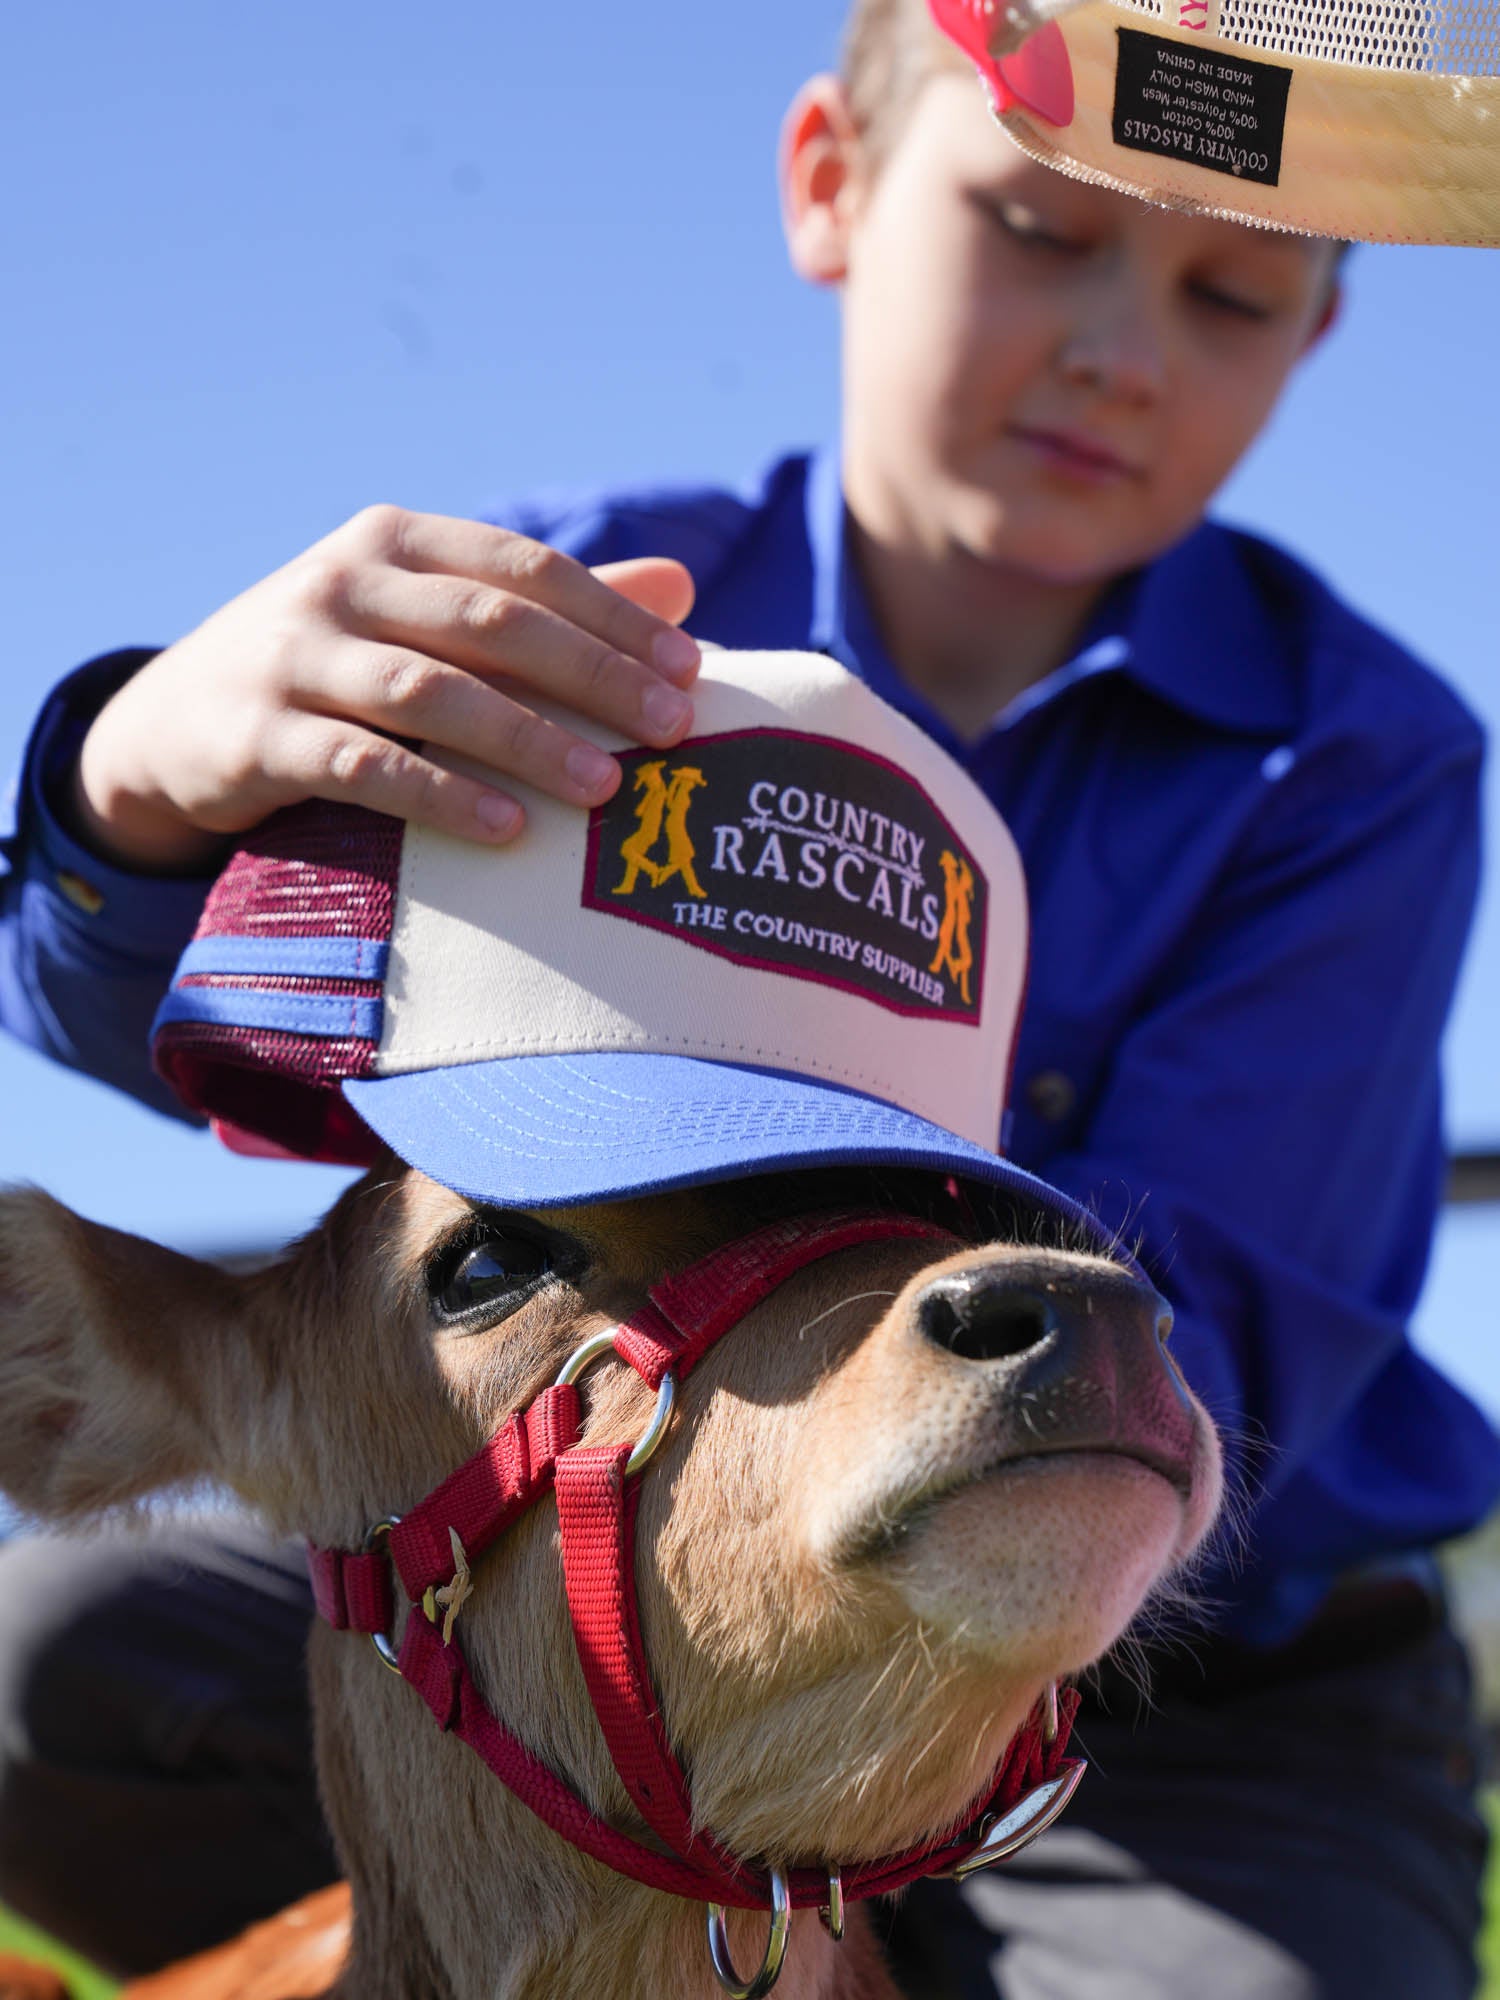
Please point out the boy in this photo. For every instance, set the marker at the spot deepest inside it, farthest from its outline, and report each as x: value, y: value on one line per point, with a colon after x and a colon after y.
x: 1227, y: 790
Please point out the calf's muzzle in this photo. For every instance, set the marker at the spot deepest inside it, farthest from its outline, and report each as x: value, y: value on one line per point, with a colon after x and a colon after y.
x: 1075, y: 1355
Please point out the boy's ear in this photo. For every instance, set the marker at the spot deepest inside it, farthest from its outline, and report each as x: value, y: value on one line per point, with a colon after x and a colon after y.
x: 819, y: 167
x: 1327, y: 319
x: 113, y: 1361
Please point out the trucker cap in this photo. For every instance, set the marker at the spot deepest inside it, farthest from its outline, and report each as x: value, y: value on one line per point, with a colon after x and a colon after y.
x: 1373, y: 120
x: 797, y: 939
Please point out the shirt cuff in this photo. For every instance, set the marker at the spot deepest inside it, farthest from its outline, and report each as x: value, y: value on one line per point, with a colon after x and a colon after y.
x: 146, y: 917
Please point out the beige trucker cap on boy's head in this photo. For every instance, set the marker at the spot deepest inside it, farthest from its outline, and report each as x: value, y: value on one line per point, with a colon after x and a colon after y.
x: 1374, y: 120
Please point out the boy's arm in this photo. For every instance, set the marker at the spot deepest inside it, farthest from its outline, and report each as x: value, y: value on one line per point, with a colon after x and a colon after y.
x: 1271, y: 1126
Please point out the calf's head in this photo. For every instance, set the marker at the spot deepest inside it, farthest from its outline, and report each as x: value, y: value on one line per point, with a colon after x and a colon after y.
x: 913, y: 1485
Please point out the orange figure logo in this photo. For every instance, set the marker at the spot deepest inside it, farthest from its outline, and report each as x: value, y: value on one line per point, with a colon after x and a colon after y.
x: 661, y: 813
x: 955, y: 954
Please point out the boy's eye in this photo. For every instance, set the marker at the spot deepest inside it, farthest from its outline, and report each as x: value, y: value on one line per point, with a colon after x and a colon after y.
x: 490, y: 1271
x: 1234, y: 303
x: 1027, y: 225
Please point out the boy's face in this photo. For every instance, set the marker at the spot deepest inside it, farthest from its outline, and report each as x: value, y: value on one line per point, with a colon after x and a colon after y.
x: 1050, y: 376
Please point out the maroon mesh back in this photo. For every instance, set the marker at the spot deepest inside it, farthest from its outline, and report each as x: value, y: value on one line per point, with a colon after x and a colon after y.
x: 313, y: 871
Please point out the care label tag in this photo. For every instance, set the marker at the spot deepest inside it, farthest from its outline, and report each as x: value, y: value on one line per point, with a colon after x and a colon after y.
x: 1200, y: 105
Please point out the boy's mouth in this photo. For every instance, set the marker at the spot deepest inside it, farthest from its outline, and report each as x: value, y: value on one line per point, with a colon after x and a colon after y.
x: 1071, y: 452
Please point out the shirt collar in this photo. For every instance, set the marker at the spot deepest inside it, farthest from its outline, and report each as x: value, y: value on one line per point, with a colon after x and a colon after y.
x: 1191, y: 628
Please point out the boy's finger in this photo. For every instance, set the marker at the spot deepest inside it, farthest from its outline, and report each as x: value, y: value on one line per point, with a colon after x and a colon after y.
x: 515, y: 564
x: 409, y: 695
x: 325, y: 759
x: 425, y: 620
x: 656, y: 583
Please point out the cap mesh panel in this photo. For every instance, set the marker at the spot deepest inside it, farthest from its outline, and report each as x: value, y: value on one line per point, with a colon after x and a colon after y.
x: 313, y: 871
x: 1443, y: 40
x: 364, y: 989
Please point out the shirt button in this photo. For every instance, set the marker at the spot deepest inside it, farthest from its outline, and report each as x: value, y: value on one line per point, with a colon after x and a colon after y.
x: 81, y: 894
x: 1051, y: 1095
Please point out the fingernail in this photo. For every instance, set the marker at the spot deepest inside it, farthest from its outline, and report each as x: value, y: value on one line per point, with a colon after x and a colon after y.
x: 665, y: 710
x: 499, y: 815
x: 588, y: 768
x: 675, y: 654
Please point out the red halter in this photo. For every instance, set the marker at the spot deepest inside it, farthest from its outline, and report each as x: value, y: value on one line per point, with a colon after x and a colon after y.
x: 596, y: 1503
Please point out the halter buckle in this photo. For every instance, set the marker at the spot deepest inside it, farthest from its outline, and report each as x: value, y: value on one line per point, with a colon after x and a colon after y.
x: 770, y: 1965
x: 1030, y: 1816
x: 451, y: 1598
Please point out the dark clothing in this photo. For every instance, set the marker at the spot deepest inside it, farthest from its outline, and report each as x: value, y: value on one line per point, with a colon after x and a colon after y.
x: 156, y: 1777
x: 1249, y: 827
x: 1310, y: 1839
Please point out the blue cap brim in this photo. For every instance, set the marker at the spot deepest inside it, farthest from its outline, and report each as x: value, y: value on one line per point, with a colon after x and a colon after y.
x: 548, y: 1131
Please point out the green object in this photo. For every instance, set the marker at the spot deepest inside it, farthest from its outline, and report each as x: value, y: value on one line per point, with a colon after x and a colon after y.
x: 1488, y: 1948
x: 24, y: 1939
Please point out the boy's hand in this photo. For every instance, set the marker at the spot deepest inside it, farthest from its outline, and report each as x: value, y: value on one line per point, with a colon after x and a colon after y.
x: 397, y: 625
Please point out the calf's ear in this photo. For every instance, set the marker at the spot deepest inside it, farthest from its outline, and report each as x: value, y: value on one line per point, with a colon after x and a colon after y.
x: 113, y: 1360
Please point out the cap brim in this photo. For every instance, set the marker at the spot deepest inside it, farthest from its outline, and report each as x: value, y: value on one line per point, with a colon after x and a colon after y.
x: 549, y: 1131
x: 1374, y: 125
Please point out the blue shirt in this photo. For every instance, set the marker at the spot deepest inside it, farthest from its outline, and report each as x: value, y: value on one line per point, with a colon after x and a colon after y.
x: 1250, y: 828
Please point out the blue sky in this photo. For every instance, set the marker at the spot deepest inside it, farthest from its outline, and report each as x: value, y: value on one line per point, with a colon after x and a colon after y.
x: 263, y: 266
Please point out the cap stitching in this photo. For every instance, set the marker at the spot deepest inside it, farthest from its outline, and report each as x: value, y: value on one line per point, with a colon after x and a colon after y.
x: 559, y: 1146
x: 799, y: 1063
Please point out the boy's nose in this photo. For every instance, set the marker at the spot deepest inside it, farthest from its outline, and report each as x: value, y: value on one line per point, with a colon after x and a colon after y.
x: 1117, y: 351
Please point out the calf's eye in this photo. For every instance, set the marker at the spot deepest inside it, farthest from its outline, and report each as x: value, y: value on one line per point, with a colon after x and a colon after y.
x: 489, y: 1274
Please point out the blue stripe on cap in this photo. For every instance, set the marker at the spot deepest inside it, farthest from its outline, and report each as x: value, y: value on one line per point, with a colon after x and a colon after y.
x: 296, y: 1013
x: 290, y: 957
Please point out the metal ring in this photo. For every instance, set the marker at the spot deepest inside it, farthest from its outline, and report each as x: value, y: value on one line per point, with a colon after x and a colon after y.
x: 382, y: 1645
x: 666, y: 1395
x: 770, y: 1965
x: 1026, y: 1819
x: 1051, y: 1720
x: 832, y: 1912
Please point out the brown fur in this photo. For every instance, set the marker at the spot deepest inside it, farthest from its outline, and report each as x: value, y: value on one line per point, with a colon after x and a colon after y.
x: 848, y: 1607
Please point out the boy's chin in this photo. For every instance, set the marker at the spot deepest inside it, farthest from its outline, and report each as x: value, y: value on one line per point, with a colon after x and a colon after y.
x: 1072, y: 548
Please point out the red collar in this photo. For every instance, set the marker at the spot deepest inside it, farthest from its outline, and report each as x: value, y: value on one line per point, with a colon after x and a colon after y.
x: 538, y: 1449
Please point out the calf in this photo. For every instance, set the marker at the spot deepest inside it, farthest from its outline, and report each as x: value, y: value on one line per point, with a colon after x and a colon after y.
x: 920, y: 1480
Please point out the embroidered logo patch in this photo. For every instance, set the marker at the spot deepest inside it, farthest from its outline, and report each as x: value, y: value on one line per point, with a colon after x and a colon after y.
x: 797, y: 854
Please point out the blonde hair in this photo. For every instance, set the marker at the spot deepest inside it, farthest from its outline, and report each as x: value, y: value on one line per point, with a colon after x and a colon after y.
x: 891, y: 48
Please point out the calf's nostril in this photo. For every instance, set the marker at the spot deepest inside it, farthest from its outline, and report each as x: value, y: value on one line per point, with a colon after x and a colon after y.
x: 986, y: 1322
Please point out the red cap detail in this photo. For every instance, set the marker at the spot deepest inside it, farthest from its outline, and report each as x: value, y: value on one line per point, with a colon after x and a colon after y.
x: 1038, y: 75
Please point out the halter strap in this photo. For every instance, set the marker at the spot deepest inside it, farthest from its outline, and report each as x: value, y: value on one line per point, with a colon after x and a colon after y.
x: 537, y: 1450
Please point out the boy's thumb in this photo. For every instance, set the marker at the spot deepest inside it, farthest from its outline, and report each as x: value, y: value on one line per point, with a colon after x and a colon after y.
x: 654, y: 582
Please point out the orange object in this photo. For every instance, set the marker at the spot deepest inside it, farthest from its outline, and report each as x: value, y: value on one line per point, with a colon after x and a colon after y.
x: 20, y: 1979
x: 297, y: 1955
